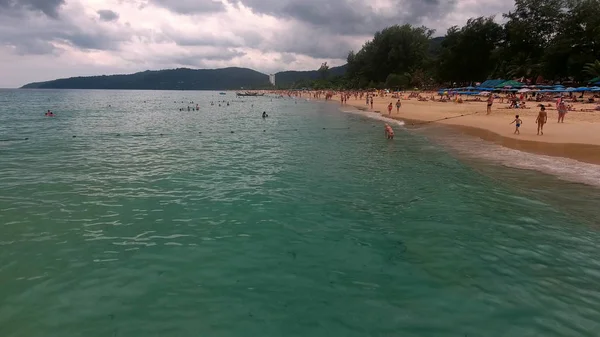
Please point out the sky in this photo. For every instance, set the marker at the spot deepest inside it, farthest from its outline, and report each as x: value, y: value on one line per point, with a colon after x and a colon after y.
x: 47, y: 39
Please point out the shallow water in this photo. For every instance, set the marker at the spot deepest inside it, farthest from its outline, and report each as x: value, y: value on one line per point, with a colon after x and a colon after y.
x: 307, y: 223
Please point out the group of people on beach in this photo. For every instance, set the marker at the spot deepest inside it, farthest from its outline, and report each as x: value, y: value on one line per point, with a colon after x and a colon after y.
x: 541, y: 119
x: 390, y: 107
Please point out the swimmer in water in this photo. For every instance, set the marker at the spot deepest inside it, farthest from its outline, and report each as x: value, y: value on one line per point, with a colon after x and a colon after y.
x: 264, y: 115
x: 49, y: 114
x: 389, y: 132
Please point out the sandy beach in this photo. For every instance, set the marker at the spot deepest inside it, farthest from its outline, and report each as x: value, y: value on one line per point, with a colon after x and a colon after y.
x: 577, y: 138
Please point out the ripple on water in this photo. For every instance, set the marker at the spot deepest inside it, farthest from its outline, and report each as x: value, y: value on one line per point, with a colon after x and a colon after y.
x: 314, y: 231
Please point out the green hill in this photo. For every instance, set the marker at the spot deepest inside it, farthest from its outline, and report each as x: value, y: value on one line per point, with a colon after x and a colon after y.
x: 183, y: 79
x: 173, y: 79
x: 286, y: 78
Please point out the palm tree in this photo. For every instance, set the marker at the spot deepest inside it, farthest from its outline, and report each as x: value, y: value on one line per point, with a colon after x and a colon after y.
x: 523, y: 65
x: 323, y: 70
x: 593, y: 68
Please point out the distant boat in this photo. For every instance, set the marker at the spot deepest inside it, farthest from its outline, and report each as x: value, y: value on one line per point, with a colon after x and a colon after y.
x: 251, y: 94
x: 222, y: 93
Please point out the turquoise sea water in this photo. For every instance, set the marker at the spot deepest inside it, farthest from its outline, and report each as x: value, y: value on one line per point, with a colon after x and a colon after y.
x: 307, y: 223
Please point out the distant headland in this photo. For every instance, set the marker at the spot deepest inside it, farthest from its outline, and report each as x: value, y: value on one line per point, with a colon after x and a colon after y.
x: 184, y: 79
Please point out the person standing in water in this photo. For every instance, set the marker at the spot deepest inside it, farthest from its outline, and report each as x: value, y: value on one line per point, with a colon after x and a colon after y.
x: 398, y: 105
x: 371, y: 102
x: 542, y: 118
x: 517, y: 123
x: 389, y: 132
x: 390, y: 107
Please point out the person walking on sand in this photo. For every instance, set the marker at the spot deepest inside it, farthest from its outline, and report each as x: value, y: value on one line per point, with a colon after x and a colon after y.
x: 398, y: 105
x: 490, y: 101
x: 371, y: 102
x: 517, y: 123
x: 542, y: 118
x: 562, y: 111
x: 390, y: 107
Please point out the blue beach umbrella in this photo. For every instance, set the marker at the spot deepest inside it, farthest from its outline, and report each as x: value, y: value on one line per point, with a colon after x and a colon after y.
x: 580, y: 89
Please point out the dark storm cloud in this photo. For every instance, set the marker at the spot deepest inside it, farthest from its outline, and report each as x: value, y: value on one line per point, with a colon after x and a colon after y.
x: 310, y: 43
x: 350, y: 17
x: 287, y: 58
x: 90, y: 40
x: 197, y: 59
x: 190, y: 6
x: 48, y: 7
x: 42, y: 35
x: 199, y: 39
x: 34, y: 47
x: 107, y: 15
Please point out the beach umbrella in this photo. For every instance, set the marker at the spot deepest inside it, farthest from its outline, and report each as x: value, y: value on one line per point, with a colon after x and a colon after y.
x: 524, y: 90
x: 595, y: 89
x: 469, y: 88
x: 484, y: 93
x: 510, y: 84
x: 570, y: 89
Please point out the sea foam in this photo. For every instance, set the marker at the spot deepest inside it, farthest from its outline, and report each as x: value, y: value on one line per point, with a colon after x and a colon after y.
x: 372, y: 115
x: 563, y: 168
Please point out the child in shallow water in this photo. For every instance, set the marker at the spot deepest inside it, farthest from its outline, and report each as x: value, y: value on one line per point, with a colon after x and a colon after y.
x: 389, y: 132
x: 518, y: 123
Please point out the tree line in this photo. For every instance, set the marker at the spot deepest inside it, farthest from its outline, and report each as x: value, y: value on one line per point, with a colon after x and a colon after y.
x: 539, y: 40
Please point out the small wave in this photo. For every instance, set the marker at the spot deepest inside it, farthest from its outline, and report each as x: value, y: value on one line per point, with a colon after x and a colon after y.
x: 372, y: 115
x: 563, y: 168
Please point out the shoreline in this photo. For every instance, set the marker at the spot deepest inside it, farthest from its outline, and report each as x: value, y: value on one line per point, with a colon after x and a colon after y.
x: 481, y: 146
x: 586, y: 153
x: 476, y: 123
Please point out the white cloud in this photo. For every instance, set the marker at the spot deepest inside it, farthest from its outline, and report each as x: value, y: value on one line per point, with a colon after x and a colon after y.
x: 43, y: 40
